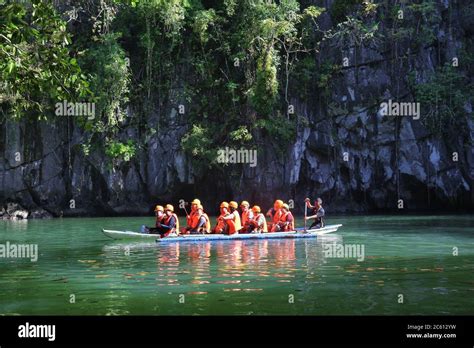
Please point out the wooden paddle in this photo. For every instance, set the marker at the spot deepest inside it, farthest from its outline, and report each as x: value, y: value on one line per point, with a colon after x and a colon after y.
x: 185, y: 209
x: 305, y: 214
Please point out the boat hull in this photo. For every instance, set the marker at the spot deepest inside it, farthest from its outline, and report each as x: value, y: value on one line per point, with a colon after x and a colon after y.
x: 129, y: 235
x: 299, y: 233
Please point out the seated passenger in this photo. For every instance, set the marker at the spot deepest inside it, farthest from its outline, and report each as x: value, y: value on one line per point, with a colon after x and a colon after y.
x: 224, y: 226
x: 274, y: 213
x: 286, y: 222
x: 191, y: 218
x: 159, y: 216
x: 234, y: 216
x: 247, y: 215
x: 258, y: 224
x: 200, y: 222
x: 169, y: 224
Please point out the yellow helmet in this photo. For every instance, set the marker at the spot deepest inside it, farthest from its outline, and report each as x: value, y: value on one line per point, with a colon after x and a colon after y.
x: 278, y: 203
x: 286, y: 206
x: 245, y: 204
x: 169, y: 207
x: 196, y: 201
x: 256, y: 209
x: 224, y: 205
x: 233, y: 204
x: 159, y: 208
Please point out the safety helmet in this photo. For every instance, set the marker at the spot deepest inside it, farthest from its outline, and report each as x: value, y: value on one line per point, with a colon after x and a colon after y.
x: 278, y: 203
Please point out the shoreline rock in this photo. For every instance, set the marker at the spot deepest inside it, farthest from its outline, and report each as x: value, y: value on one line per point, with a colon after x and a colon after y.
x: 14, y: 211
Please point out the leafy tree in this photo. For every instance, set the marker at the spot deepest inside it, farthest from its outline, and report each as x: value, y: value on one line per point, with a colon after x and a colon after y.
x: 36, y: 65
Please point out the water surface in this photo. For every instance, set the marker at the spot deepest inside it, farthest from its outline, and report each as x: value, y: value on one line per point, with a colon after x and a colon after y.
x: 409, y: 256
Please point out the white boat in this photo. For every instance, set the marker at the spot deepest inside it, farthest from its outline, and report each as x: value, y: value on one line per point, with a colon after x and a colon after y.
x: 298, y: 233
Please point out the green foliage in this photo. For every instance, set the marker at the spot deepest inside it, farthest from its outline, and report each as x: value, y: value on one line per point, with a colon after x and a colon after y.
x: 241, y: 135
x: 442, y: 99
x: 106, y: 64
x: 202, y: 20
x: 325, y: 76
x: 198, y: 143
x: 120, y: 151
x: 418, y: 24
x: 265, y: 91
x: 36, y: 69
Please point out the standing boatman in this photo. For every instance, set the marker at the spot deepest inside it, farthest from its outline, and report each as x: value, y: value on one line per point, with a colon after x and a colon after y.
x: 317, y: 213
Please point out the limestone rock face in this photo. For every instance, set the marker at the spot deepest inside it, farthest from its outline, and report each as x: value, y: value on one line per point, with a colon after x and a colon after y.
x: 348, y: 153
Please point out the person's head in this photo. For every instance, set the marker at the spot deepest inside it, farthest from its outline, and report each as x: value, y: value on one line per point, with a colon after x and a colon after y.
x: 285, y: 208
x: 194, y: 204
x: 278, y: 204
x: 169, y: 209
x: 224, y: 207
x: 159, y: 210
x: 256, y: 209
x: 233, y: 205
x: 244, y: 205
x: 318, y: 202
x: 200, y: 209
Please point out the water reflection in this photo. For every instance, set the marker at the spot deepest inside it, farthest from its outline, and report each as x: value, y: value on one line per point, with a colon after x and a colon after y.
x: 234, y: 262
x: 239, y: 265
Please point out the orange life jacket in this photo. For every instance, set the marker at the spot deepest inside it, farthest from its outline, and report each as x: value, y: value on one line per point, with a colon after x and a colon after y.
x: 194, y: 220
x: 221, y: 224
x: 167, y: 219
x: 245, y: 217
x: 190, y: 217
x: 284, y: 218
x: 237, y: 223
x: 276, y: 216
x: 262, y: 217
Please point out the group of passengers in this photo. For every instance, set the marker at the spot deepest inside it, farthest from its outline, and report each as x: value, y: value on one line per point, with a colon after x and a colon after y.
x: 231, y: 220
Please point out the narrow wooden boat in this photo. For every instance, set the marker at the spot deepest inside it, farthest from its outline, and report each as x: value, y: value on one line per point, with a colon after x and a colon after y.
x: 298, y: 233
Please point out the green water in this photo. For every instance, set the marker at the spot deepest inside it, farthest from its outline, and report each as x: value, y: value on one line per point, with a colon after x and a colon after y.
x: 409, y: 256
